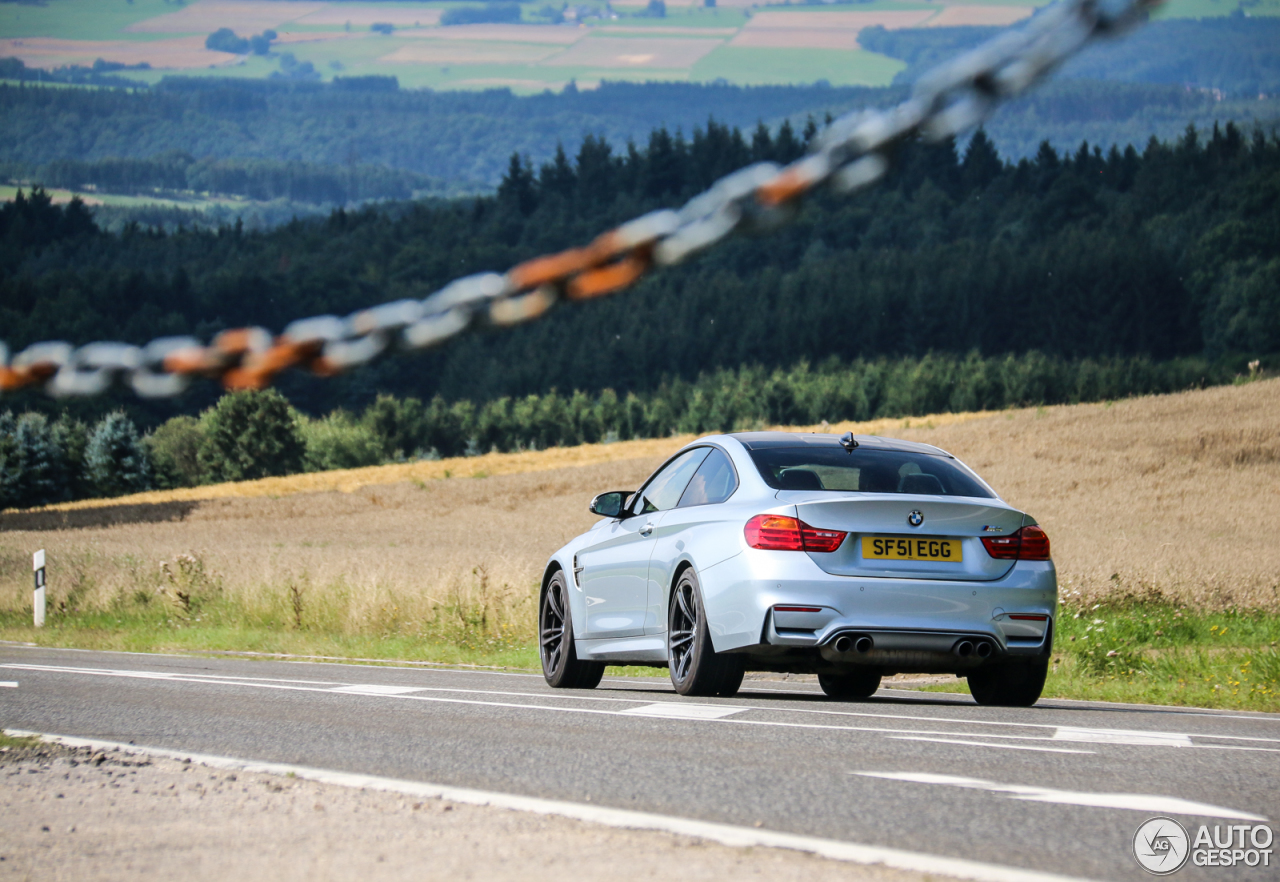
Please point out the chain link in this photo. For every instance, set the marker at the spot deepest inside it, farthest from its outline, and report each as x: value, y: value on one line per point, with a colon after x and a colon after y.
x: 852, y: 153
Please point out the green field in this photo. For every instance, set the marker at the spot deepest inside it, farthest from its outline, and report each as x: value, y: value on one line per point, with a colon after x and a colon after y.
x: 755, y: 67
x: 79, y: 19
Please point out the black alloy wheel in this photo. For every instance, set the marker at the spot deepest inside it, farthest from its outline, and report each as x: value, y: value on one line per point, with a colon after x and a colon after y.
x: 856, y: 685
x: 696, y: 668
x: 1012, y: 684
x: 560, y: 664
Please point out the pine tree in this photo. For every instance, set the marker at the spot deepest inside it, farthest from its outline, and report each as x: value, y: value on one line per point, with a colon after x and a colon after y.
x: 558, y: 176
x: 72, y: 437
x: 982, y: 163
x: 115, y: 459
x: 39, y: 478
x: 8, y: 461
x: 517, y: 186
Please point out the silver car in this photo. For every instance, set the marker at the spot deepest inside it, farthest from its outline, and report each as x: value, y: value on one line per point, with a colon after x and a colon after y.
x: 851, y: 557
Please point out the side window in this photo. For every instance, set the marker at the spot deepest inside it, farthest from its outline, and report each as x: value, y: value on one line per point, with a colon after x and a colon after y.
x: 714, y: 481
x: 664, y: 489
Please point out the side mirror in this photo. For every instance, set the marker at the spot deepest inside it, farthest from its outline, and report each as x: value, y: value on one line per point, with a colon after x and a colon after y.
x: 609, y: 505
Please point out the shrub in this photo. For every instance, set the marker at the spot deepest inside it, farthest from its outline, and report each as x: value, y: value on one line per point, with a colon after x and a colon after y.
x: 115, y: 459
x: 490, y: 12
x: 400, y: 425
x: 250, y: 434
x: 175, y: 452
x: 225, y: 40
x: 338, y: 441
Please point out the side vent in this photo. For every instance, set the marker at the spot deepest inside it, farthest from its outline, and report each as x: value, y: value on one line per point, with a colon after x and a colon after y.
x: 577, y: 570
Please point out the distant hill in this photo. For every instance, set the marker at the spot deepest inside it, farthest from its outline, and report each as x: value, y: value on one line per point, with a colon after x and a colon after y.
x: 1236, y: 55
x: 463, y: 141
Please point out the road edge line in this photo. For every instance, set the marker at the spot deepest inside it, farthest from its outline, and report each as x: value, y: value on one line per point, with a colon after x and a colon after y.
x: 724, y: 834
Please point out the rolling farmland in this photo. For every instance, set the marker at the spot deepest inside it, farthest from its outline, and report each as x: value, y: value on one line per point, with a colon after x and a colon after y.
x: 735, y: 41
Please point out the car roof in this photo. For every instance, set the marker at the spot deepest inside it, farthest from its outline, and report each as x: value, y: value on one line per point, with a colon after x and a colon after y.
x: 764, y: 440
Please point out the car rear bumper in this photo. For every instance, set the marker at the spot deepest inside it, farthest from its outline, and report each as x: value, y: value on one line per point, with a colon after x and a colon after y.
x: 903, y: 617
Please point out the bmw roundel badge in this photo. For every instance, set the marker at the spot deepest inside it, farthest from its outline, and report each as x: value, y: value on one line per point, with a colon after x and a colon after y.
x: 916, y: 518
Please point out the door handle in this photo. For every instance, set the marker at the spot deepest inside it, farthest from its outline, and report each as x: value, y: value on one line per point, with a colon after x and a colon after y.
x: 646, y: 529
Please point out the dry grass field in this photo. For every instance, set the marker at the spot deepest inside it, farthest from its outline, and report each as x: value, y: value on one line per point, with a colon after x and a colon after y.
x: 1169, y: 496
x: 989, y: 16
x: 361, y: 15
x: 655, y: 52
x: 206, y: 16
x: 175, y: 53
x: 424, y: 52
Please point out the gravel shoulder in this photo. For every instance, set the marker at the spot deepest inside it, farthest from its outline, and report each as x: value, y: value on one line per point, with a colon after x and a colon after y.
x: 81, y: 814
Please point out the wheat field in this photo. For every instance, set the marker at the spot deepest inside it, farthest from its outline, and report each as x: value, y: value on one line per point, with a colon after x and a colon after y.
x: 1171, y: 495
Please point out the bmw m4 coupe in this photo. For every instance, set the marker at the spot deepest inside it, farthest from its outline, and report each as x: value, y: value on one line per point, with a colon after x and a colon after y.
x: 852, y: 558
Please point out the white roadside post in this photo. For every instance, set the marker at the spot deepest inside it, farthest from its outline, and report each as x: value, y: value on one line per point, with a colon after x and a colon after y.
x: 37, y: 564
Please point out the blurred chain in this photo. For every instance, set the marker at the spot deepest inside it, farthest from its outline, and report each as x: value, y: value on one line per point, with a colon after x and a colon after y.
x: 850, y: 154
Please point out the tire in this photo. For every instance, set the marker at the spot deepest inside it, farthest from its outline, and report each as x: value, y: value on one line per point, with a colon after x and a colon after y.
x: 1009, y: 685
x: 560, y: 664
x: 862, y: 684
x: 696, y: 668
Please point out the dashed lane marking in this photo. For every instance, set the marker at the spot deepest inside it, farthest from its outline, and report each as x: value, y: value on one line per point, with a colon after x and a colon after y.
x: 969, y: 743
x: 1141, y: 802
x: 376, y: 689
x: 1122, y: 736
x: 680, y: 711
x: 668, y: 710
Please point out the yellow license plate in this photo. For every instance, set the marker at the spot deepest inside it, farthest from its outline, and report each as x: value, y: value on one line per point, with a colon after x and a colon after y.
x: 911, y: 548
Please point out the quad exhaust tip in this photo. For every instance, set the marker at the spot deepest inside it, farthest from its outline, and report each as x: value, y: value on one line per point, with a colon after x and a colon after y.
x: 845, y: 643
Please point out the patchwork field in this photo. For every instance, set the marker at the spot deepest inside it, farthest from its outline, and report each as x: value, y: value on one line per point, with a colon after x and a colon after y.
x: 740, y: 41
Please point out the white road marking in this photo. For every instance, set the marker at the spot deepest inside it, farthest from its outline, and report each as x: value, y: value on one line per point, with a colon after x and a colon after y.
x: 988, y: 744
x: 725, y: 834
x: 9, y: 684
x: 414, y: 693
x: 1134, y: 801
x: 376, y: 689
x: 1122, y: 736
x: 672, y: 710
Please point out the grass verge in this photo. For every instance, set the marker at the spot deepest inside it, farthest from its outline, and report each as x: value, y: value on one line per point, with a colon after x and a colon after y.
x: 1131, y: 651
x: 144, y: 633
x: 1155, y: 652
x: 8, y: 742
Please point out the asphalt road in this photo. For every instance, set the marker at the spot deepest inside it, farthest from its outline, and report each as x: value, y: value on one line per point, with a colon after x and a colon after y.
x: 1061, y: 787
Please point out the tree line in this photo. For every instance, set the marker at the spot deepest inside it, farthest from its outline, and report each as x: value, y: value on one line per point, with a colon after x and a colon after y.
x: 1166, y: 252
x: 465, y: 138
x: 1233, y: 54
x: 262, y: 179
x: 248, y: 435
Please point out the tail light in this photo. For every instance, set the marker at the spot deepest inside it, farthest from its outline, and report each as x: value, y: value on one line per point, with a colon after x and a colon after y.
x: 783, y: 533
x: 1028, y: 543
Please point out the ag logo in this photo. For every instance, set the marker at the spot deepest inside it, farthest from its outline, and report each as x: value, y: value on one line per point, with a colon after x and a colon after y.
x: 1161, y: 845
x: 916, y: 518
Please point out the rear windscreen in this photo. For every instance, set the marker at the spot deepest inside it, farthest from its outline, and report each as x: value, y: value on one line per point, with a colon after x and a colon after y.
x: 865, y: 471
